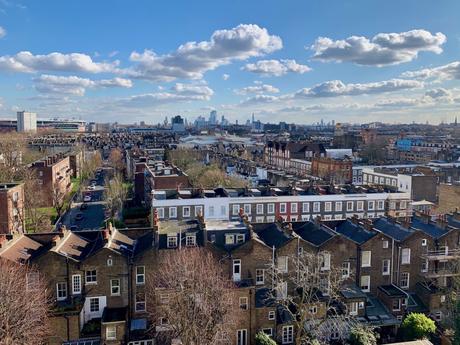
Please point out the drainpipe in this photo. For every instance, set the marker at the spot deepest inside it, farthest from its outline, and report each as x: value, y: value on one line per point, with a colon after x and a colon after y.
x: 130, y: 297
x: 392, y: 260
x: 358, y: 266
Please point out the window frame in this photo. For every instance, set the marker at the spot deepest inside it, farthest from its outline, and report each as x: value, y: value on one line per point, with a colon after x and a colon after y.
x: 260, y: 272
x: 93, y: 277
x: 368, y: 263
x: 138, y: 275
x: 111, y: 332
x: 117, y: 287
x: 61, y: 288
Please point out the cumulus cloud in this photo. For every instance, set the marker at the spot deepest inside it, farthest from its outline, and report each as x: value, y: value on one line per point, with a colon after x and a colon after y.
x: 383, y: 49
x: 74, y: 85
x: 445, y: 72
x: 335, y: 88
x: 177, y: 93
x: 225, y: 76
x: 259, y: 99
x: 2, y: 32
x: 192, y: 59
x: 257, y: 89
x: 276, y: 68
x: 75, y: 62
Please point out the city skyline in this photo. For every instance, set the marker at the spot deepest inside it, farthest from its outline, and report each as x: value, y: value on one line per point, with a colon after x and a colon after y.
x: 295, y: 62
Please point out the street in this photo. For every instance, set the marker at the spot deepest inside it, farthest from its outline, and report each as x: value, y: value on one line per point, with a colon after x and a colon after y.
x: 88, y: 215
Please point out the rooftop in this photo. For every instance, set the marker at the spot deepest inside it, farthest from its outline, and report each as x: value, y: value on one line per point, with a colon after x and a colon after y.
x: 271, y: 234
x: 312, y: 232
x: 394, y: 230
x: 429, y: 228
x: 354, y: 232
x: 269, y: 191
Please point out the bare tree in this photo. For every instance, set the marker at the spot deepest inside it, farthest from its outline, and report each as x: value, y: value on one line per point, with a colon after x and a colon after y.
x: 313, y: 285
x: 58, y: 197
x: 24, y: 305
x: 90, y: 165
x: 116, y: 160
x: 12, y: 146
x: 190, y: 293
x: 115, y: 194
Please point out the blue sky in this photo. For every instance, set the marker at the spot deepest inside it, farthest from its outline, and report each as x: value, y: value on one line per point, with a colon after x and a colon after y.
x: 296, y: 61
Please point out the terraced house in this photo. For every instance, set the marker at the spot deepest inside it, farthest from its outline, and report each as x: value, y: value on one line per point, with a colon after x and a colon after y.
x: 389, y: 268
x: 265, y: 204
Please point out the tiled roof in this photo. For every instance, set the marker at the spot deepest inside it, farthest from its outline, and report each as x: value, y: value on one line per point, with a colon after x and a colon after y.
x: 20, y: 249
x: 71, y: 245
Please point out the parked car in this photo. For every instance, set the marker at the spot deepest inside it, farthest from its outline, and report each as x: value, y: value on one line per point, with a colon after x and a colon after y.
x: 87, y: 198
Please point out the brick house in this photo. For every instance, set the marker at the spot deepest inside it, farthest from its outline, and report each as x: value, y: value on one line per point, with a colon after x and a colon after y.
x: 11, y: 208
x: 53, y: 175
x: 98, y: 278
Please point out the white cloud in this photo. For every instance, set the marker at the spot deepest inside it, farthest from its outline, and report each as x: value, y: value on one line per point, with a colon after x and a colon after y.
x: 74, y: 85
x: 397, y: 103
x: 2, y: 32
x: 276, y: 67
x: 27, y: 62
x: 113, y: 53
x: 445, y: 72
x: 335, y: 88
x: 178, y: 93
x: 225, y: 76
x: 383, y: 49
x: 257, y: 89
x: 259, y: 99
x: 192, y: 59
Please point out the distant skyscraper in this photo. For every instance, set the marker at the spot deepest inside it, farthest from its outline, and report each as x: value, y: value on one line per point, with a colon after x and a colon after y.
x: 27, y: 122
x: 213, y: 117
x: 178, y: 124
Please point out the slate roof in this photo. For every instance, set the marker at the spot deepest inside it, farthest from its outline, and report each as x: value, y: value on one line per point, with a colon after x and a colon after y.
x: 271, y: 234
x: 354, y: 232
x: 352, y: 292
x: 430, y: 229
x: 312, y: 232
x: 377, y: 314
x: 395, y: 231
x: 392, y: 290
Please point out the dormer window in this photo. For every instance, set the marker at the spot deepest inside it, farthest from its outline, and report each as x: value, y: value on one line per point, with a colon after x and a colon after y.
x: 172, y: 241
x: 109, y: 262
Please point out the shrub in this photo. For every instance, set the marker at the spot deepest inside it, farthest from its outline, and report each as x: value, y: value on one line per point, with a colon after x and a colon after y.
x: 264, y: 339
x: 417, y: 326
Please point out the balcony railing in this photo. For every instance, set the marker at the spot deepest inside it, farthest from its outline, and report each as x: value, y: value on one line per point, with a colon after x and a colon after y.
x: 442, y: 254
x: 437, y: 273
